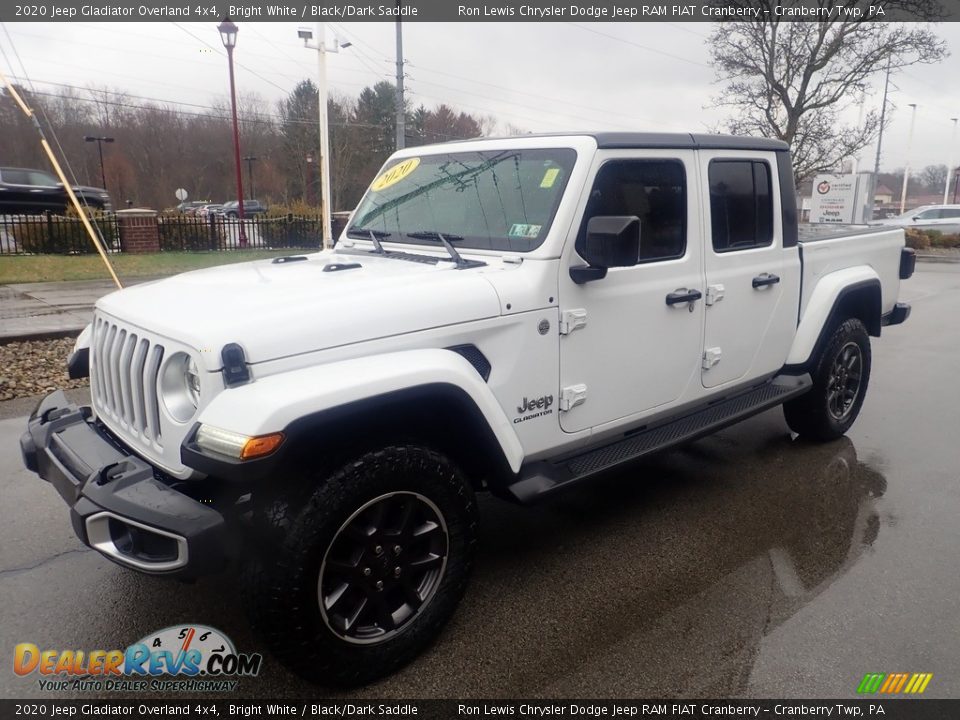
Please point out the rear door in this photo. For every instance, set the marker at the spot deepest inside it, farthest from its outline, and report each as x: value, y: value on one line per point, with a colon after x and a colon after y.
x: 752, y: 281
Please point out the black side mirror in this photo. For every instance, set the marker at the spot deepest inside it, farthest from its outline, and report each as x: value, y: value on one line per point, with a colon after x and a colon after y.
x: 612, y: 241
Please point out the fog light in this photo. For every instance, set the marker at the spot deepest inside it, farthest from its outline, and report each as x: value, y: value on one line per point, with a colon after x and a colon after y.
x: 235, y: 445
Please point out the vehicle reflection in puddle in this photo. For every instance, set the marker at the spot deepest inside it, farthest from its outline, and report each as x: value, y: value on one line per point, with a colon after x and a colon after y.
x: 662, y: 580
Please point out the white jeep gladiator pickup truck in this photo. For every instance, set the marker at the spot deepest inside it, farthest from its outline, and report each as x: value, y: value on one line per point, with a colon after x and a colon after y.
x: 510, y: 316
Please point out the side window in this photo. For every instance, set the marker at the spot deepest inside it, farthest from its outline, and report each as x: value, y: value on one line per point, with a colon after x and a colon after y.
x: 653, y: 190
x: 16, y: 177
x: 741, y: 204
x: 950, y: 213
x: 41, y: 178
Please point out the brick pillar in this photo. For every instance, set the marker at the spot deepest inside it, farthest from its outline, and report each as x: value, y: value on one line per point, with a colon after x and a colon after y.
x: 139, y: 232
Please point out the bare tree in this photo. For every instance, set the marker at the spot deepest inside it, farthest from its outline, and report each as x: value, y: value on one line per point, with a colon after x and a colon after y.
x: 933, y: 178
x: 798, y: 81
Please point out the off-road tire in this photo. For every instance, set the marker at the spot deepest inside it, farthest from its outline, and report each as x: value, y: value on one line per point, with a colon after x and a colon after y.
x: 815, y: 415
x: 281, y: 580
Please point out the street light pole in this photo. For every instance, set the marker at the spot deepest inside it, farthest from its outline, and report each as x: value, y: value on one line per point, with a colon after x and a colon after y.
x: 906, y: 170
x: 323, y: 161
x: 250, y: 159
x: 228, y: 34
x: 101, y: 140
x: 401, y: 130
x: 952, y: 155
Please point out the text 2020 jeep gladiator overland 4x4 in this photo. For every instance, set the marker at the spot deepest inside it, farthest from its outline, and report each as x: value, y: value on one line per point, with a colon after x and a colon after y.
x: 511, y: 315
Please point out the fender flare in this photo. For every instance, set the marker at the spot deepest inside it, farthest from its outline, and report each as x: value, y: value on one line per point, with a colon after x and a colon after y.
x: 276, y: 402
x: 823, y: 306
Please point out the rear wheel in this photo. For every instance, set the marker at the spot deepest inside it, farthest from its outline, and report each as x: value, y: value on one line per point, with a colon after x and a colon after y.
x: 840, y: 380
x: 364, y: 575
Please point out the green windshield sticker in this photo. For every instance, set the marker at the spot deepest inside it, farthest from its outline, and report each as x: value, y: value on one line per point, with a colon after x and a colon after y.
x: 519, y: 230
x: 549, y: 178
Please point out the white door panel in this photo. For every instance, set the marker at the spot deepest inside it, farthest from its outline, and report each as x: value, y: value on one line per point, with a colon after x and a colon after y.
x: 635, y: 352
x: 751, y: 328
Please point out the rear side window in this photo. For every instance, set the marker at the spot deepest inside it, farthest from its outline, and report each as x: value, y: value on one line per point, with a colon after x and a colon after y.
x: 653, y: 190
x: 741, y: 204
x: 16, y: 177
x: 950, y: 213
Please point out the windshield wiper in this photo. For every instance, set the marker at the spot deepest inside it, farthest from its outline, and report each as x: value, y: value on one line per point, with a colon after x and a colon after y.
x: 445, y: 239
x: 371, y: 235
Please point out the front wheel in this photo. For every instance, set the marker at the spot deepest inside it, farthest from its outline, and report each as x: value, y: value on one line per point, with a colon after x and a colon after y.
x: 365, y: 574
x: 840, y: 381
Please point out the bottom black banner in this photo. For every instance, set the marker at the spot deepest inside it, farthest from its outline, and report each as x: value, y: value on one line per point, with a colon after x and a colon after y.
x: 913, y: 709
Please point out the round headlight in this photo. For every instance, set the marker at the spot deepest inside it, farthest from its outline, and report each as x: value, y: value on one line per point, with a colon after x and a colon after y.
x: 180, y: 387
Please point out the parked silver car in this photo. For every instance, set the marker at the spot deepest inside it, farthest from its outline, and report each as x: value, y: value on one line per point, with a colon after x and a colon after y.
x: 945, y: 218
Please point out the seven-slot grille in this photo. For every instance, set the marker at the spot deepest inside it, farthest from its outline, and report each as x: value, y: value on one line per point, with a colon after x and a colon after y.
x: 124, y: 370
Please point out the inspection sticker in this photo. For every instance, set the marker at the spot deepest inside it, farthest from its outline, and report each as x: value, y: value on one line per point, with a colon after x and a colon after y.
x: 520, y: 230
x: 549, y: 178
x: 395, y: 174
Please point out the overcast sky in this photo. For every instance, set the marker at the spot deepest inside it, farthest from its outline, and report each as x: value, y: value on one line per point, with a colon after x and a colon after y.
x: 537, y: 76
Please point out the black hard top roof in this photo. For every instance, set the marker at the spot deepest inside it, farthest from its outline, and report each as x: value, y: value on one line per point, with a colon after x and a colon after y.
x: 624, y: 140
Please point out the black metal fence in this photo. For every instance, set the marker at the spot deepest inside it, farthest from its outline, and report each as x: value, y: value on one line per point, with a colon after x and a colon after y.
x: 55, y: 234
x: 188, y: 232
x: 65, y: 235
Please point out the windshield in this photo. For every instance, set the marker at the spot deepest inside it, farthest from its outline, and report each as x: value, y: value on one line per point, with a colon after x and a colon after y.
x: 494, y: 200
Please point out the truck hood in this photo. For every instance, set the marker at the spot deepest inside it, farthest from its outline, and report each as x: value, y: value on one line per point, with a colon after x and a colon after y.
x: 275, y: 310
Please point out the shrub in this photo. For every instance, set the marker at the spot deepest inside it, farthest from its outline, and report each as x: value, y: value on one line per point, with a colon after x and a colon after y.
x: 184, y: 232
x: 917, y: 239
x: 63, y: 234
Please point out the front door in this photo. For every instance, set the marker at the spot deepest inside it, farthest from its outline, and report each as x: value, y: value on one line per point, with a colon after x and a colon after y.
x: 625, y: 351
x: 752, y: 280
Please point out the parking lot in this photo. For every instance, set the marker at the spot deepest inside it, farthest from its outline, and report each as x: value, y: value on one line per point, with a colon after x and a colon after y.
x: 746, y: 564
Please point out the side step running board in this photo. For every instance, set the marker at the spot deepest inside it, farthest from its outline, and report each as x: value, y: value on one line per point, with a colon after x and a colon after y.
x: 539, y: 479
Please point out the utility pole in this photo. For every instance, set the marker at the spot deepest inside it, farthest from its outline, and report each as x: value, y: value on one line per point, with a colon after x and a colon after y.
x: 906, y: 170
x: 401, y: 121
x: 883, y: 119
x: 103, y: 178
x: 323, y: 160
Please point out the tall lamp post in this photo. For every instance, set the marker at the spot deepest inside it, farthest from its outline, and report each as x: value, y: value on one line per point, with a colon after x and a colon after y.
x: 906, y: 170
x: 323, y: 161
x: 100, y: 140
x: 228, y: 35
x: 951, y: 154
x: 250, y: 159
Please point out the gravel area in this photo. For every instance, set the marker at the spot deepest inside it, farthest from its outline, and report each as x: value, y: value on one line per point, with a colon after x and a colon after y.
x: 35, y: 367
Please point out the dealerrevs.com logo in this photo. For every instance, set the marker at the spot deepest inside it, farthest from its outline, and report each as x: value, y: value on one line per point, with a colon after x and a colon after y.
x: 191, y: 658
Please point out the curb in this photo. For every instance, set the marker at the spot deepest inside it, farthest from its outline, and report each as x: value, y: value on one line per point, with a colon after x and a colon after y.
x: 938, y: 258
x: 48, y: 335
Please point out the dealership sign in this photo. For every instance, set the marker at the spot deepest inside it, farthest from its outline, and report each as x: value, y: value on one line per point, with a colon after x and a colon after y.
x: 841, y: 198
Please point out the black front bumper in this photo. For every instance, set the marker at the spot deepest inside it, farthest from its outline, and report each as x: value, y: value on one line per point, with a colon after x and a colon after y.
x: 118, y: 504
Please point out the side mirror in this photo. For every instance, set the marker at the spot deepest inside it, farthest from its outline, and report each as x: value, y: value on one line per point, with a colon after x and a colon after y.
x: 612, y: 241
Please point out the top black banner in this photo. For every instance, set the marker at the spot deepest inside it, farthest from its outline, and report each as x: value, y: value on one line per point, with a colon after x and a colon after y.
x: 486, y: 11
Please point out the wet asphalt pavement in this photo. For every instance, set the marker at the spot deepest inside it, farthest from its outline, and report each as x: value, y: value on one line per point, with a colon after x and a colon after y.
x: 747, y: 564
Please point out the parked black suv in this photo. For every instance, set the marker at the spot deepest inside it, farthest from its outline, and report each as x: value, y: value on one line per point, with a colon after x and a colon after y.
x: 24, y: 191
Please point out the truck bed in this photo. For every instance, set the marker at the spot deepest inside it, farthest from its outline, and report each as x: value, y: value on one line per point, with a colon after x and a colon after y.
x: 812, y: 232
x: 828, y: 248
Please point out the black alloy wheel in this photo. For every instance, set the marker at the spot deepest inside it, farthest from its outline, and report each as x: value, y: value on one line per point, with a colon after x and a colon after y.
x: 383, y: 567
x: 844, y: 382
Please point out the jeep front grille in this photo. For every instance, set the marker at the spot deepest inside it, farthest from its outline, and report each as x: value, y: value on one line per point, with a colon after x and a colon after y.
x: 123, y: 374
